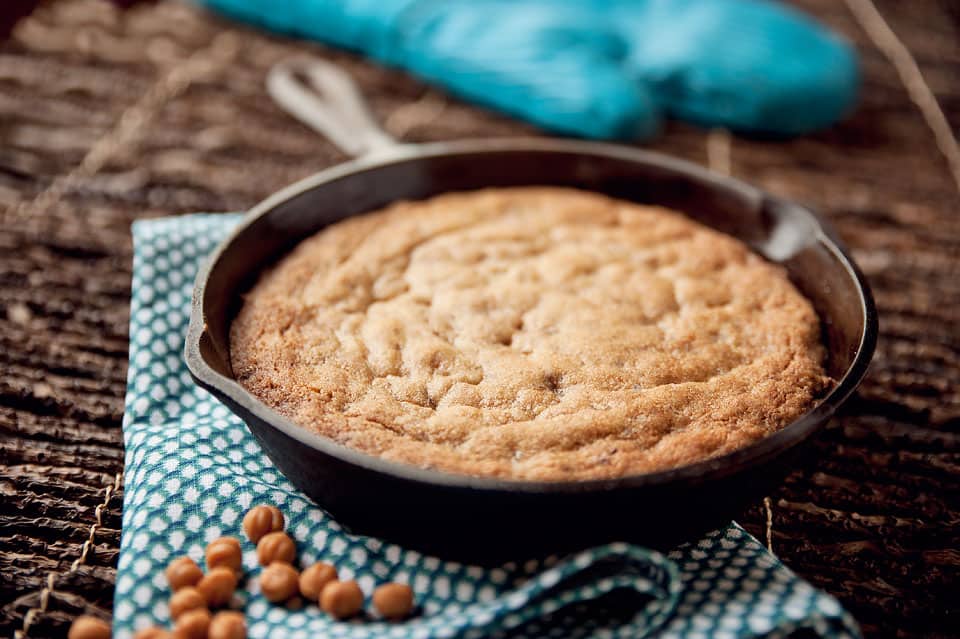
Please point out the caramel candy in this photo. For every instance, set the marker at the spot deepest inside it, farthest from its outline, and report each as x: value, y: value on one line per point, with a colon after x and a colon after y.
x: 185, y: 599
x: 192, y: 624
x: 314, y: 578
x: 341, y: 599
x: 261, y: 520
x: 276, y: 546
x: 278, y: 581
x: 182, y: 572
x: 225, y: 551
x: 393, y: 601
x: 228, y: 624
x: 87, y: 627
x: 217, y: 586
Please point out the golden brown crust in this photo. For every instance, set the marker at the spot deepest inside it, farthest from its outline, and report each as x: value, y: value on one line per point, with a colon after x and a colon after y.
x: 530, y: 333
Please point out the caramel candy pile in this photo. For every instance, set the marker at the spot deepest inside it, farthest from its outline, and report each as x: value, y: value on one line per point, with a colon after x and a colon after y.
x: 197, y: 594
x: 280, y: 581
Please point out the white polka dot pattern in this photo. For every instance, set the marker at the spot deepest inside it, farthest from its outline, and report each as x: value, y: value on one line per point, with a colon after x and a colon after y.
x: 193, y: 469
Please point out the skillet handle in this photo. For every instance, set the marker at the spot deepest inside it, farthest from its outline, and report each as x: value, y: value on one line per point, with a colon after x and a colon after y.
x: 326, y: 99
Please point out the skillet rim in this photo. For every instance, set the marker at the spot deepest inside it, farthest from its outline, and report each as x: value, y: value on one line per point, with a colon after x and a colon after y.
x: 791, y: 435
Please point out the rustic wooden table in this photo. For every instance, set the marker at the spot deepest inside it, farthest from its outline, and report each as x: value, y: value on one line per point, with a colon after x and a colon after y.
x: 106, y: 117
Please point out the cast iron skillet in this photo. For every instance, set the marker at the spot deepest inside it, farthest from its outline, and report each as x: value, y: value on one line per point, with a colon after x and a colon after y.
x: 486, y: 519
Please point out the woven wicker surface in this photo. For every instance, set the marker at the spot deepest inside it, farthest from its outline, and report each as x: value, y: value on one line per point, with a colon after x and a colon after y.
x: 106, y: 117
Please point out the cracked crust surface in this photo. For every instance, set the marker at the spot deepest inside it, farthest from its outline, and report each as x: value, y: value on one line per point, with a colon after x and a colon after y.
x: 530, y: 333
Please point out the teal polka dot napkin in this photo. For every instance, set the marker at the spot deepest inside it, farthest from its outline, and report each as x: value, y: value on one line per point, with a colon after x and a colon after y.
x: 193, y: 469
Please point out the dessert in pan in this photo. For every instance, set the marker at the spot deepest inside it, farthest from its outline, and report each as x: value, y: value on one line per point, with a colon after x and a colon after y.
x: 490, y: 348
x: 530, y: 333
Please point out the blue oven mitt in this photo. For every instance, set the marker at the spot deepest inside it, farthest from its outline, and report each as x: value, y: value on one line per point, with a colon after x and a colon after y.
x: 597, y: 68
